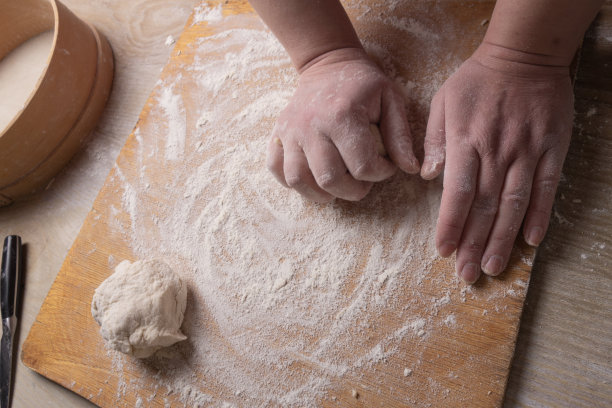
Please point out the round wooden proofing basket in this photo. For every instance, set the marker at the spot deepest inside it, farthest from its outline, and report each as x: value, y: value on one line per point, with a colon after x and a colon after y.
x: 66, y: 103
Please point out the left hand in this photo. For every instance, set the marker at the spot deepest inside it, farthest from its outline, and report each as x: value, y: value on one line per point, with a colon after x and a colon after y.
x: 322, y: 145
x: 501, y: 129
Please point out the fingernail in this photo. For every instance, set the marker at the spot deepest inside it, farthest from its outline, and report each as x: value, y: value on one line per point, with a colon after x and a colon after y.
x: 426, y: 170
x: 470, y: 272
x: 535, y: 236
x: 494, y: 265
x: 447, y: 248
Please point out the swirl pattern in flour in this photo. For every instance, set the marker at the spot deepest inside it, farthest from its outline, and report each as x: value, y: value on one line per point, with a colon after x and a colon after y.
x: 286, y: 296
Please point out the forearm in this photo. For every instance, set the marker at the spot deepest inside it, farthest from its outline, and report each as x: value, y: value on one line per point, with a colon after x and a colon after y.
x: 308, y: 28
x: 544, y: 32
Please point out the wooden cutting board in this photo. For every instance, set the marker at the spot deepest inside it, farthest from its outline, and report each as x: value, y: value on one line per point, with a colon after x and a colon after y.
x: 459, y: 353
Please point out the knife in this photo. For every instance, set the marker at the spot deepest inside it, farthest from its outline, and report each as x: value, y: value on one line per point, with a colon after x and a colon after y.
x: 11, y: 268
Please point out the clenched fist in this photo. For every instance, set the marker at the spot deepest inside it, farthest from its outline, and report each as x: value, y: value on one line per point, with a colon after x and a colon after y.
x: 322, y: 144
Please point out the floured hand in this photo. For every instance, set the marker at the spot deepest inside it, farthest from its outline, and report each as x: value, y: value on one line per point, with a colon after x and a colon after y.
x: 322, y: 145
x: 500, y: 129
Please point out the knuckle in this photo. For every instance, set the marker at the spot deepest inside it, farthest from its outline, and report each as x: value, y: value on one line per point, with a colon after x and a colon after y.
x: 474, y: 246
x: 461, y: 191
x: 295, y: 180
x: 516, y: 199
x: 489, y: 145
x: 485, y: 204
x: 344, y: 110
x: 540, y: 211
x: 327, y: 180
x: 462, y: 194
x: 545, y: 186
x: 450, y: 227
x: 363, y: 170
x: 500, y: 239
x: 484, y: 146
x: 342, y: 107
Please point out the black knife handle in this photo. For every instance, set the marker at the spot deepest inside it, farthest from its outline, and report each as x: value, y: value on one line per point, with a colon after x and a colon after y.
x: 11, y: 264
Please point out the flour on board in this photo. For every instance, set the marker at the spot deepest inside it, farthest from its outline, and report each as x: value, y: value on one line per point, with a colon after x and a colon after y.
x: 280, y: 286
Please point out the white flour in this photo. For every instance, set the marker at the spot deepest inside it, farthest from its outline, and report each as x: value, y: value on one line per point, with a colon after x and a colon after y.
x: 175, y: 114
x: 285, y: 296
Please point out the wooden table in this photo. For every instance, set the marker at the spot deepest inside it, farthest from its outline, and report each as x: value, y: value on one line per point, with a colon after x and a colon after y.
x: 564, y: 348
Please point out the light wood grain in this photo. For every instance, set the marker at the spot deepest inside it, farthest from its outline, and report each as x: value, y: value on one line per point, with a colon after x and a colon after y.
x: 50, y: 221
x: 564, y: 352
x: 466, y: 366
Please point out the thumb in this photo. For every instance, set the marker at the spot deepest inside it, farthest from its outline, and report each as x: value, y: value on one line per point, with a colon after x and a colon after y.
x: 395, y: 131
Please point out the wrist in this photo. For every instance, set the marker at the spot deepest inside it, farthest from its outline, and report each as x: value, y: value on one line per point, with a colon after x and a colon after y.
x: 308, y: 29
x: 519, y: 63
x: 335, y: 56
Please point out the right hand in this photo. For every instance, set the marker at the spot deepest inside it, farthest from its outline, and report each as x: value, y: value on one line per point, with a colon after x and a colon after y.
x: 500, y: 127
x: 322, y: 145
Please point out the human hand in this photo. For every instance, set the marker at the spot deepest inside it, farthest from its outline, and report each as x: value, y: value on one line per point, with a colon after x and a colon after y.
x: 322, y: 145
x: 501, y: 130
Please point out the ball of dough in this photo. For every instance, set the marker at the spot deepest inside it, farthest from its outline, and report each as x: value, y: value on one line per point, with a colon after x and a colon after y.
x: 140, y: 307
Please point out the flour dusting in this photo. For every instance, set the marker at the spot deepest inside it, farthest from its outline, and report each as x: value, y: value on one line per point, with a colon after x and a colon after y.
x: 286, y: 297
x: 175, y: 113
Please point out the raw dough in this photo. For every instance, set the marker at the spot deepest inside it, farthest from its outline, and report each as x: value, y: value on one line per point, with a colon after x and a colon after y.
x: 140, y: 307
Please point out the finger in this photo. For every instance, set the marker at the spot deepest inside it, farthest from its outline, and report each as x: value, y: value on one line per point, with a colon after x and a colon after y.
x: 396, y: 131
x: 460, y: 177
x: 359, y: 152
x: 545, y: 183
x: 299, y: 177
x: 513, y: 203
x: 330, y: 173
x: 435, y: 139
x: 380, y: 146
x: 275, y: 159
x: 479, y: 221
